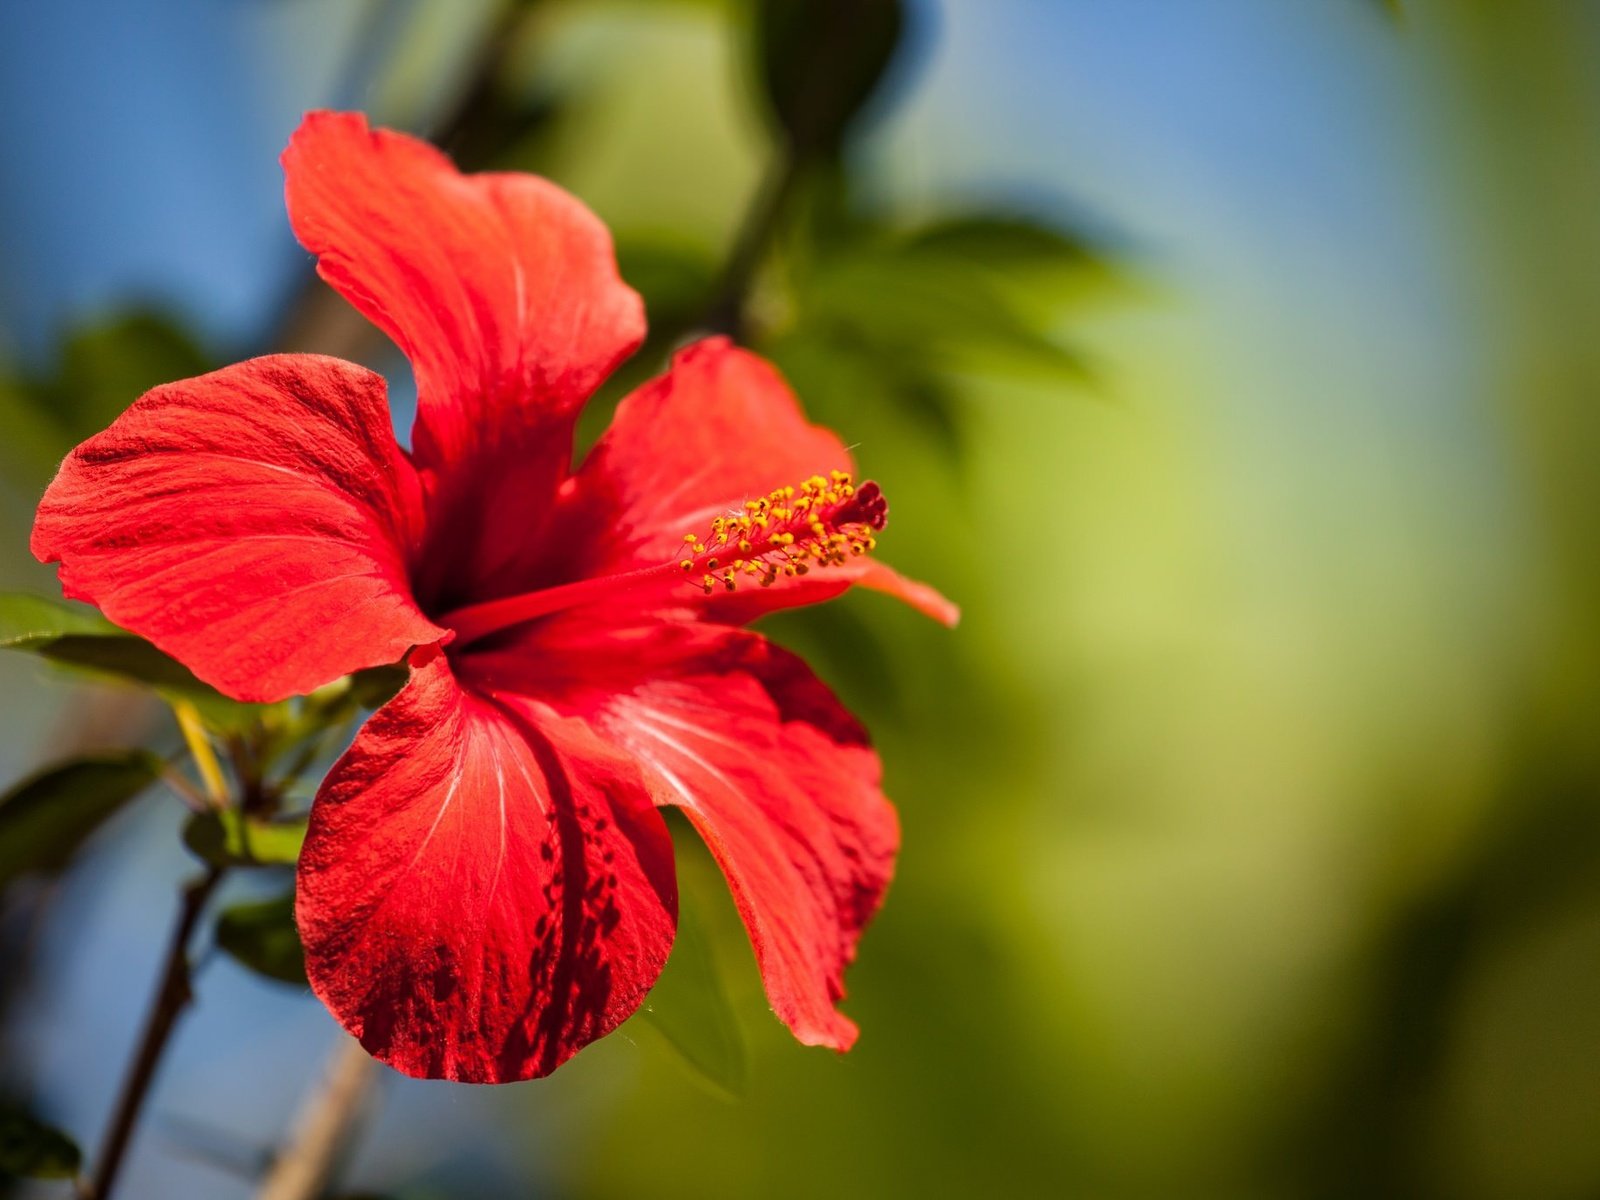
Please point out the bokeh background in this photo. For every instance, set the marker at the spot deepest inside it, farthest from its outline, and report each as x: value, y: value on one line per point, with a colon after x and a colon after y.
x: 1234, y: 364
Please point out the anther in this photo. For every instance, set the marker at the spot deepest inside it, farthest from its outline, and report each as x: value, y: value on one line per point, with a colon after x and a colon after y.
x: 822, y: 521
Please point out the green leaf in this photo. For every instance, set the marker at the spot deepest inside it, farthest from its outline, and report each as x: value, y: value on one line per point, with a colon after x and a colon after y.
x: 45, y: 818
x: 935, y: 310
x: 689, y: 1006
x: 229, y: 839
x: 673, y: 275
x: 102, y: 368
x: 1004, y: 243
x: 123, y: 656
x: 828, y: 363
x: 820, y: 62
x: 261, y: 935
x: 27, y: 621
x: 34, y: 443
x: 106, y: 366
x: 72, y: 635
x: 376, y: 686
x: 34, y: 1150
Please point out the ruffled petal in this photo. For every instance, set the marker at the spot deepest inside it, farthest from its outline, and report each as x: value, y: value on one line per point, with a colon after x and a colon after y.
x: 485, y: 888
x: 780, y: 780
x: 255, y: 523
x: 720, y: 427
x: 503, y: 291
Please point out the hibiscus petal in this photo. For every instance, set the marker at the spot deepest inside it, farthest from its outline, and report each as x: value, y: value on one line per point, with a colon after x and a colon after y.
x: 502, y: 290
x: 721, y: 426
x: 484, y: 889
x: 255, y: 523
x: 779, y: 779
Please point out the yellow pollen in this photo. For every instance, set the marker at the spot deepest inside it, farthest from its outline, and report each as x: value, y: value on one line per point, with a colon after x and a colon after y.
x: 820, y: 522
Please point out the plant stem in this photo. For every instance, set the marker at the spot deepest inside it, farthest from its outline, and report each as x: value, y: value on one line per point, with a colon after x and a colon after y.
x: 171, y: 998
x: 205, y: 759
x: 322, y: 1127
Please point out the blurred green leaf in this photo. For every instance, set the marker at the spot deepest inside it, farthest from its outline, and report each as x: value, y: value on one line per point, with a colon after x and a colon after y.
x: 27, y: 621
x: 107, y: 366
x: 376, y: 686
x: 34, y: 1150
x: 123, y: 656
x: 1004, y: 243
x: 674, y: 276
x: 820, y: 61
x: 71, y: 635
x: 229, y: 839
x: 126, y: 656
x: 825, y: 364
x: 262, y: 936
x: 34, y: 441
x: 927, y: 307
x: 689, y: 1007
x: 102, y: 367
x: 46, y: 817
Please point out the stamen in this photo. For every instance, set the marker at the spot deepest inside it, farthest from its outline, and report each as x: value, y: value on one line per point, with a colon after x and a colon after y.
x: 821, y: 522
x: 791, y: 531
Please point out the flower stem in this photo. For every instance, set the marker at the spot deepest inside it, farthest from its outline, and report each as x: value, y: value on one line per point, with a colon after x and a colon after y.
x: 172, y: 997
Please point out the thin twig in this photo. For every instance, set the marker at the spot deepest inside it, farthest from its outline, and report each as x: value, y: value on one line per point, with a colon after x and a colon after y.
x: 322, y: 1127
x: 172, y: 997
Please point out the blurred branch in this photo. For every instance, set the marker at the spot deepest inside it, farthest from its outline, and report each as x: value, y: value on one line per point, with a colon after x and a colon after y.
x: 172, y: 997
x: 323, y: 1127
x: 820, y: 61
x: 726, y: 312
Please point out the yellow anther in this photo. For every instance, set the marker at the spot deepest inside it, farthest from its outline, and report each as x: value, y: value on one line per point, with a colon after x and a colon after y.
x: 822, y: 521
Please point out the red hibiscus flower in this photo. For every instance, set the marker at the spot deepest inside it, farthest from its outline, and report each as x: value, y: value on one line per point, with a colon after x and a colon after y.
x: 487, y: 885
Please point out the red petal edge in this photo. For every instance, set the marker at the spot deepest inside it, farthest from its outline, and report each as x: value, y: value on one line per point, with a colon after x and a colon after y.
x: 502, y: 290
x: 784, y: 788
x: 255, y: 523
x: 485, y: 888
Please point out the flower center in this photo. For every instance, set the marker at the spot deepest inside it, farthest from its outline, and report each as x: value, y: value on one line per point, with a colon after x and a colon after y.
x: 819, y: 523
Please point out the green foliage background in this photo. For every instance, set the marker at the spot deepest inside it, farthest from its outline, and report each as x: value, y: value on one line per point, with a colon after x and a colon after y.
x: 1251, y: 815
